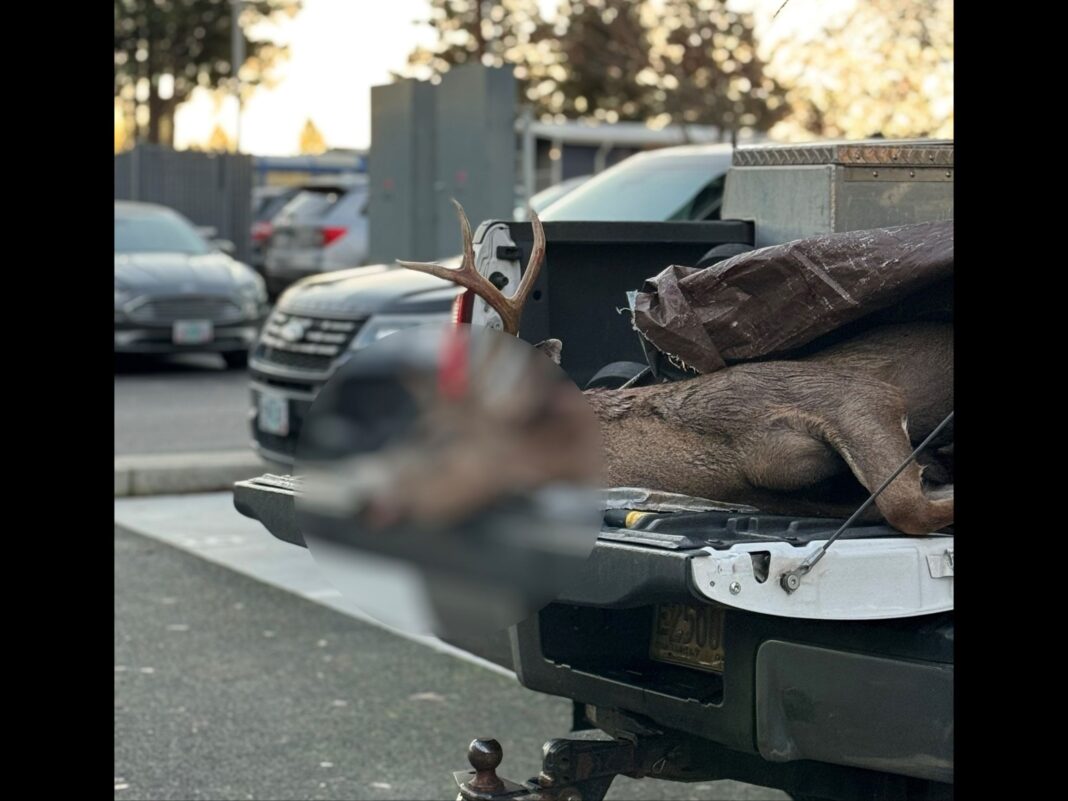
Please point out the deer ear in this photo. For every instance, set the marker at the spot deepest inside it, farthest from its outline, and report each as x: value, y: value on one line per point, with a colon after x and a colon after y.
x: 551, y: 348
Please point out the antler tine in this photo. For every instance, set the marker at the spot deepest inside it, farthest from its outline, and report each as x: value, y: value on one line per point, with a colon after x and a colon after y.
x: 466, y: 275
x: 530, y: 275
x: 465, y: 232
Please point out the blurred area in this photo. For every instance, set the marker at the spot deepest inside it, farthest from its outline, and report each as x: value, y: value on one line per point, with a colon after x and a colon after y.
x: 462, y: 454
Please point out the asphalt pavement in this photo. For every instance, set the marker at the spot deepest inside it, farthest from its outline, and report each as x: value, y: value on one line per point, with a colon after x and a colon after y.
x: 238, y: 675
x: 179, y: 404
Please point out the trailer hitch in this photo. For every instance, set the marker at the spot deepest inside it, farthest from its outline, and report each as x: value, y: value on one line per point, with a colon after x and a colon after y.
x: 578, y: 768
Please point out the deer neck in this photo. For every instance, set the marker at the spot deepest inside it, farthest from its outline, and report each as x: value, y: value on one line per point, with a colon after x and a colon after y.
x: 671, y: 435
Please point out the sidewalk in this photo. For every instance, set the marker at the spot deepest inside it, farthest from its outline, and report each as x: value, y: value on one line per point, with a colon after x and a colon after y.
x: 181, y: 473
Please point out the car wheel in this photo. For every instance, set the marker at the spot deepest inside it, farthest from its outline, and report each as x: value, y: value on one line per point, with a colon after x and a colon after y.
x: 236, y: 359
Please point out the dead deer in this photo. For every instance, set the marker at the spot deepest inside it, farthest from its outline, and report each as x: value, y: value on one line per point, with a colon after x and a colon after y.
x: 495, y: 420
x: 777, y: 434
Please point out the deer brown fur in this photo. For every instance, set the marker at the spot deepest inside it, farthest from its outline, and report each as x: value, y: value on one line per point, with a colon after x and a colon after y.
x: 772, y: 434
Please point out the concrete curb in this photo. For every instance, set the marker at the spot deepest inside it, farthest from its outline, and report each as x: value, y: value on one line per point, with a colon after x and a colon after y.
x: 181, y: 473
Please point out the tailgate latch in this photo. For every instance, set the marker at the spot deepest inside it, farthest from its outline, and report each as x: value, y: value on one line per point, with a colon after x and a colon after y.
x: 941, y: 564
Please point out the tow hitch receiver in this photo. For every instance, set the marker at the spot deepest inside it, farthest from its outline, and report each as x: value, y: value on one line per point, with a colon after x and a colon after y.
x: 579, y: 768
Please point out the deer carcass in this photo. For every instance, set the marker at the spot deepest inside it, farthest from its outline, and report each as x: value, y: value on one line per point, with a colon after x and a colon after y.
x: 776, y: 435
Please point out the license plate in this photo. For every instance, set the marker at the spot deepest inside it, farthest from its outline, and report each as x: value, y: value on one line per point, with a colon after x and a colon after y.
x: 273, y: 414
x: 193, y: 332
x: 688, y: 635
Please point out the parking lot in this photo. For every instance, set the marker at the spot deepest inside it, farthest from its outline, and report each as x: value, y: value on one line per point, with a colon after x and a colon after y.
x: 179, y: 404
x: 241, y: 673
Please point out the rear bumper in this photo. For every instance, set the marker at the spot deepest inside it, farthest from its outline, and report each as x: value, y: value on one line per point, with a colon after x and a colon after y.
x: 158, y: 339
x: 874, y: 695
x: 838, y: 692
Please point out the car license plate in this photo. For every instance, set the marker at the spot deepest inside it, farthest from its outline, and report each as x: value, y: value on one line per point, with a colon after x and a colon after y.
x: 273, y: 414
x: 688, y: 635
x: 193, y: 332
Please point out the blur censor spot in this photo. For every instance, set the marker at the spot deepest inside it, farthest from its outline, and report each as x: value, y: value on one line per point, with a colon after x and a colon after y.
x: 451, y: 480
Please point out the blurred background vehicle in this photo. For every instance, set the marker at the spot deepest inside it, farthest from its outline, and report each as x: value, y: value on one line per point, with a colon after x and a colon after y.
x: 346, y: 225
x: 318, y: 322
x: 322, y: 228
x: 550, y: 195
x: 177, y: 292
x: 674, y: 183
x: 267, y: 201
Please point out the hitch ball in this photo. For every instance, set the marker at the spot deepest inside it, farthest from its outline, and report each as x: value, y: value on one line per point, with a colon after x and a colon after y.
x: 485, y: 756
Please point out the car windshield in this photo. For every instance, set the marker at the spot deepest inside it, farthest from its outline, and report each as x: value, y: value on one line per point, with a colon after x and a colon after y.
x: 545, y: 197
x: 349, y: 209
x: 269, y: 207
x: 157, y: 233
x: 308, y: 205
x: 655, y: 189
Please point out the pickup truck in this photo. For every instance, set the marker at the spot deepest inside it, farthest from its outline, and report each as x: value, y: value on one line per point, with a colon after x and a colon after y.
x: 684, y: 662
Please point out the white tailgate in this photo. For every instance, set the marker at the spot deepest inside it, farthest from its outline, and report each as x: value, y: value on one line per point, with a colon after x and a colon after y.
x: 857, y: 579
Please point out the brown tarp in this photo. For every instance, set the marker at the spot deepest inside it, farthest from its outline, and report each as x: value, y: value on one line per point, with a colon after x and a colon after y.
x: 775, y: 299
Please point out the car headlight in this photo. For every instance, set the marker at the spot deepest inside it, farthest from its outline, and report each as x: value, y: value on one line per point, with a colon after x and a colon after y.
x: 253, y: 295
x: 380, y: 326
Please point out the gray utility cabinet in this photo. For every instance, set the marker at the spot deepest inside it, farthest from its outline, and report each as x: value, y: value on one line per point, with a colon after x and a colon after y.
x: 796, y: 191
x: 430, y: 143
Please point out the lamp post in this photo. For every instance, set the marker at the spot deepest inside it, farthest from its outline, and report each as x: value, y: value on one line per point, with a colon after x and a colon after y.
x: 237, y: 58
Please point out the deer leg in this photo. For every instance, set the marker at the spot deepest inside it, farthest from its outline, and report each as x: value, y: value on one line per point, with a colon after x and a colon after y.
x: 874, y: 447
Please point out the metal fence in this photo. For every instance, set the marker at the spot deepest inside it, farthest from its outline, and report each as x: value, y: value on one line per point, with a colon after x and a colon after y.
x: 209, y: 188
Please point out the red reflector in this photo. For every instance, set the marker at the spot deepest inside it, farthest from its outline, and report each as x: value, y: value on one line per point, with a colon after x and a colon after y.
x: 330, y: 234
x: 452, y: 366
x: 462, y: 307
x: 261, y: 232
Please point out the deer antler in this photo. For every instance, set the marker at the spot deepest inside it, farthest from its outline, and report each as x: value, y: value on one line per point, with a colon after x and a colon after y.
x: 510, y: 308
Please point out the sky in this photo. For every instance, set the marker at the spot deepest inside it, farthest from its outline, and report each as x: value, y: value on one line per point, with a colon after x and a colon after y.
x: 339, y: 49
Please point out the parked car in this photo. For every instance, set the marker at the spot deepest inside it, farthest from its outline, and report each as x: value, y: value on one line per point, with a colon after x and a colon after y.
x: 682, y: 183
x: 267, y: 202
x: 541, y: 200
x: 321, y: 228
x: 320, y: 321
x: 177, y: 292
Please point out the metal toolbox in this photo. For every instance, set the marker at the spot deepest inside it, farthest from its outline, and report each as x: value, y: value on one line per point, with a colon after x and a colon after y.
x: 794, y: 191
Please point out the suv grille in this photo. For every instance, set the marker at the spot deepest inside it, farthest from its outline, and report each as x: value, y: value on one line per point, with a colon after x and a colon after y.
x: 184, y: 307
x: 306, y: 343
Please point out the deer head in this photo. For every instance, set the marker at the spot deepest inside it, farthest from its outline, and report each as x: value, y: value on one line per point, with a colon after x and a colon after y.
x: 510, y: 308
x: 494, y: 420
